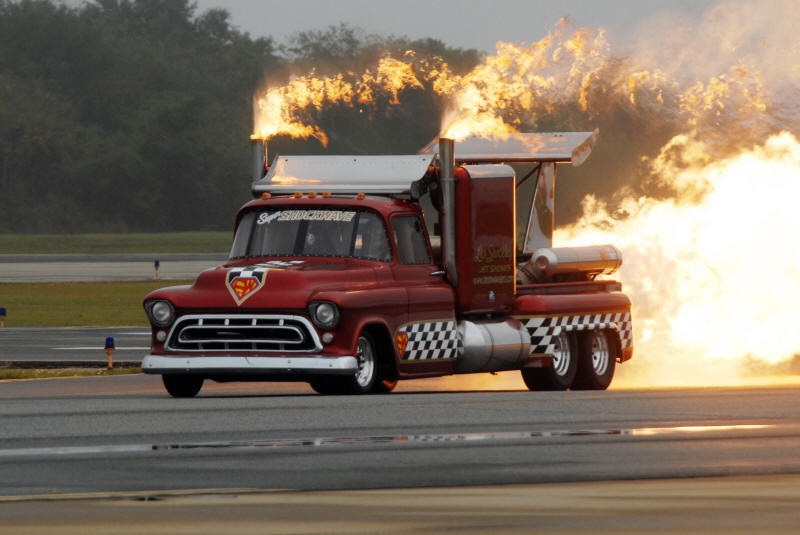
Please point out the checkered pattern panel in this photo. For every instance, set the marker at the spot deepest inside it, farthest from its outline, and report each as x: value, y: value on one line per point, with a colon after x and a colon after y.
x: 256, y: 272
x: 280, y: 263
x: 543, y: 330
x: 430, y: 340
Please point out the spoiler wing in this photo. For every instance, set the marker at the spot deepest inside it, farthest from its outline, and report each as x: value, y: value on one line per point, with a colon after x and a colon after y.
x: 556, y: 147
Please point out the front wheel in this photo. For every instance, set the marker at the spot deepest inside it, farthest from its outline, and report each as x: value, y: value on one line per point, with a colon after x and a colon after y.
x: 596, y: 361
x: 363, y: 381
x: 561, y: 374
x: 182, y: 386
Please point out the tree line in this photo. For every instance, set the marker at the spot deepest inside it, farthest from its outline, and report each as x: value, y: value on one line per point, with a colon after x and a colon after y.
x: 135, y: 115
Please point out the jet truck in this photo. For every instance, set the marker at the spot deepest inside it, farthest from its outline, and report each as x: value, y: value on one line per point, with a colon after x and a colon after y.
x: 354, y: 272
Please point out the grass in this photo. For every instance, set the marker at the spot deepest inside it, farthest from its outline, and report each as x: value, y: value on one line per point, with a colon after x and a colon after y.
x: 17, y: 373
x: 161, y: 242
x: 77, y: 304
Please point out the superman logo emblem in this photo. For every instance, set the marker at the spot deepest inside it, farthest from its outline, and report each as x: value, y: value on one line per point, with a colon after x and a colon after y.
x: 243, y: 285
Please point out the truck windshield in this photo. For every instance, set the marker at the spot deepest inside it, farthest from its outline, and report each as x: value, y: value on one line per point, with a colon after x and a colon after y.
x: 324, y: 232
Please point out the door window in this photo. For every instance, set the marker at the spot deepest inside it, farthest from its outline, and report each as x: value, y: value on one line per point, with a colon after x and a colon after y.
x: 409, y: 235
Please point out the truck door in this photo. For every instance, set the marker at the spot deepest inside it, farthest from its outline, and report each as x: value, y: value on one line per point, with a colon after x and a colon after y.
x: 429, y: 339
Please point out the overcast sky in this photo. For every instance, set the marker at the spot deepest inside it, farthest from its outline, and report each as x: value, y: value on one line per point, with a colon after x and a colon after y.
x: 465, y: 23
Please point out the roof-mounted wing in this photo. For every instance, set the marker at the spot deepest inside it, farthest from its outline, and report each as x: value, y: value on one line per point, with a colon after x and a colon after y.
x: 557, y: 147
x: 381, y: 175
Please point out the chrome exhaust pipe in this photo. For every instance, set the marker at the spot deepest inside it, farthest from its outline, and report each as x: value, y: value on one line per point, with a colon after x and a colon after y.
x: 447, y: 166
x: 259, y: 158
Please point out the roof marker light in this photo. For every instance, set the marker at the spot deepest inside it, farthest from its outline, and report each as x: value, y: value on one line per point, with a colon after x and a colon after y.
x: 298, y: 194
x: 326, y: 194
x: 312, y: 194
x: 360, y: 196
x: 266, y: 195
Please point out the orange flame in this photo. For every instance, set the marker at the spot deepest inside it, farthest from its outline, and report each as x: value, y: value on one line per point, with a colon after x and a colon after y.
x: 712, y: 271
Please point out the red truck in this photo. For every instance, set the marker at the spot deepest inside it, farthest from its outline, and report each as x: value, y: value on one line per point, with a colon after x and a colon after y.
x: 338, y: 276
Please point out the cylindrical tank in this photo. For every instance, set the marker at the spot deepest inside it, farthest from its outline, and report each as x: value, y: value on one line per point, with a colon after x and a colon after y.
x: 593, y: 260
x: 492, y: 345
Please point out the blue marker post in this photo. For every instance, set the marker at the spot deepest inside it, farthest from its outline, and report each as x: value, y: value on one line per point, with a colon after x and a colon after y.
x: 156, y: 265
x: 2, y: 316
x: 109, y: 351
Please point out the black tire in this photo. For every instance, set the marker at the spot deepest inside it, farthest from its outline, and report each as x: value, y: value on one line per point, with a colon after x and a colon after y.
x: 326, y: 385
x: 561, y: 374
x: 182, y: 386
x: 363, y: 381
x: 597, y: 358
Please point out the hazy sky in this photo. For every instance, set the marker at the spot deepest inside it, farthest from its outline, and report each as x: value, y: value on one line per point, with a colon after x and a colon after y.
x: 466, y: 23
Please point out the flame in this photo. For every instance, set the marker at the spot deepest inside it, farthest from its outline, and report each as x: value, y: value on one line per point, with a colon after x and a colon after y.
x: 708, y: 237
x: 713, y: 272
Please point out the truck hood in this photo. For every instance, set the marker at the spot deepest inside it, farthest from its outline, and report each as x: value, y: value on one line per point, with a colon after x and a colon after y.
x: 270, y: 285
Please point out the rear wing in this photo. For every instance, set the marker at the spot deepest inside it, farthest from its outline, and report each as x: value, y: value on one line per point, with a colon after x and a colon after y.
x: 551, y: 147
x: 397, y: 175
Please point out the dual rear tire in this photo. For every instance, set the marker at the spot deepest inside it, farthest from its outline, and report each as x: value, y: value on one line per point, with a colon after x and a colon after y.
x: 580, y: 362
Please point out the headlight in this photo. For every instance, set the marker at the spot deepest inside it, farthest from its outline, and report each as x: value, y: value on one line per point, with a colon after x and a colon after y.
x: 325, y: 315
x: 161, y: 313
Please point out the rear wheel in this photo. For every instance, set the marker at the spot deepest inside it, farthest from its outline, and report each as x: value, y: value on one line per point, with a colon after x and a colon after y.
x: 561, y: 374
x: 596, y: 361
x: 182, y: 386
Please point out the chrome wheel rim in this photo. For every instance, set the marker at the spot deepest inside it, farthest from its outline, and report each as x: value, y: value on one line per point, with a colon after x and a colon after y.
x: 366, y: 362
x: 561, y: 355
x: 600, y: 353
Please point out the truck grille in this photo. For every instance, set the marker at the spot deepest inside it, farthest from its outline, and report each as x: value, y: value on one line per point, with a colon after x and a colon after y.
x: 219, y: 332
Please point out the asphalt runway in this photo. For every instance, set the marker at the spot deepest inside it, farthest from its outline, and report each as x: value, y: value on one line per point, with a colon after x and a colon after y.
x: 117, y: 449
x: 124, y: 434
x: 61, y: 346
x: 110, y: 267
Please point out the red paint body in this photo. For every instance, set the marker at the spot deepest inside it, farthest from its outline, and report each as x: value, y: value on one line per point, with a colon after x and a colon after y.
x: 386, y: 296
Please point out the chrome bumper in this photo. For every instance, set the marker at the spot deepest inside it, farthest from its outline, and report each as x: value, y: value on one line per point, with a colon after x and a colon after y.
x: 255, y: 365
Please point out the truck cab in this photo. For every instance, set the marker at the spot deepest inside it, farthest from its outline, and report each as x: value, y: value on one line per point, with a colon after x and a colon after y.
x: 333, y: 278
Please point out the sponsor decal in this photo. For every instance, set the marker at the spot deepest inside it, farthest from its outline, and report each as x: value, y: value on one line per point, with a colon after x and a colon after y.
x: 305, y: 215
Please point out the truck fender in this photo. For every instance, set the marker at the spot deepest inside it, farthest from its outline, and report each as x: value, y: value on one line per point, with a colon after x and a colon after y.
x: 381, y: 335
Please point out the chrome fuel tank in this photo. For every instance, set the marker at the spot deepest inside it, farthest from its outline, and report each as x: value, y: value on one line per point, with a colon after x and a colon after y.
x: 492, y: 345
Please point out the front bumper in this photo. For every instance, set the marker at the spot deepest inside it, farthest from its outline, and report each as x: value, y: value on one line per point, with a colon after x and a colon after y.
x: 226, y: 365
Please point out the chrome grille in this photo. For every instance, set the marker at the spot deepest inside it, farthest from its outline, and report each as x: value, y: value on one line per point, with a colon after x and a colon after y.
x: 220, y: 332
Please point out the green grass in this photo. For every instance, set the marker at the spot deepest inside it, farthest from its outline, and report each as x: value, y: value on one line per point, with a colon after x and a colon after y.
x: 16, y: 373
x: 161, y: 242
x: 77, y: 304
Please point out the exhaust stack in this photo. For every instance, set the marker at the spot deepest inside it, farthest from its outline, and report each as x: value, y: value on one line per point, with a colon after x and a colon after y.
x: 447, y: 165
x: 259, y: 158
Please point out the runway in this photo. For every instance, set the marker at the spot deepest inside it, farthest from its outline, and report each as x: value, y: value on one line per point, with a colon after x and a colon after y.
x: 105, y: 267
x: 48, y: 347
x: 125, y: 434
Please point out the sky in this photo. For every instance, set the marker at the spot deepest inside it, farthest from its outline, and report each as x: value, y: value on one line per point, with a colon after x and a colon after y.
x: 466, y: 23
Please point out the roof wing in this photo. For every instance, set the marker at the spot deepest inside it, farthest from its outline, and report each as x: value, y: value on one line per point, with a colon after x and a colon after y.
x: 381, y: 175
x: 557, y: 147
